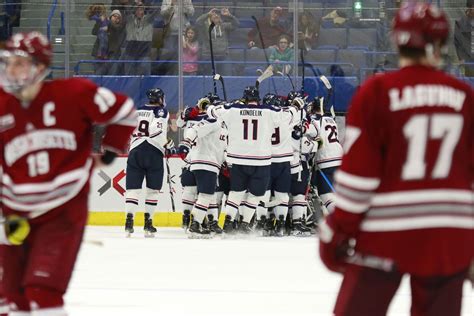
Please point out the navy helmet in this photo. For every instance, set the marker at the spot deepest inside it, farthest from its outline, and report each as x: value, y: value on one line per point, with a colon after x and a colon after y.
x: 270, y: 99
x: 156, y: 96
x: 213, y: 98
x: 251, y: 94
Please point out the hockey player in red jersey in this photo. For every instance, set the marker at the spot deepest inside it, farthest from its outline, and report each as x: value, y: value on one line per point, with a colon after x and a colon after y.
x: 404, y: 190
x: 46, y: 141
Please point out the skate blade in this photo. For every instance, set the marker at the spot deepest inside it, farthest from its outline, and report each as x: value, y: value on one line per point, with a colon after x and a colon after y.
x: 149, y: 235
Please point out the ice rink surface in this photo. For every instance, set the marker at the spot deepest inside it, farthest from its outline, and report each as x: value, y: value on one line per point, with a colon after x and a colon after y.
x: 173, y: 275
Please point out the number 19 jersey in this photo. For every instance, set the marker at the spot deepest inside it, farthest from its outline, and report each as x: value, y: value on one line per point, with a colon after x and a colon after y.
x: 152, y: 127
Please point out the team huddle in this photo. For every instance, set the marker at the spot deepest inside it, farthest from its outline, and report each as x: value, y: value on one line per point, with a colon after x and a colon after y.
x: 264, y: 154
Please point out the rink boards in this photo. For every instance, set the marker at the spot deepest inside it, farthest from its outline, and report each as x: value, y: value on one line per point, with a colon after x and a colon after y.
x: 107, y: 199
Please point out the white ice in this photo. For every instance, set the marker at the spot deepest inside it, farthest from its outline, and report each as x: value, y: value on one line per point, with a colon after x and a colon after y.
x: 172, y: 275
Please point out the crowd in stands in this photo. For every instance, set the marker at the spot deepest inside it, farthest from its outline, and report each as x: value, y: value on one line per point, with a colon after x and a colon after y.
x: 135, y: 32
x: 10, y: 13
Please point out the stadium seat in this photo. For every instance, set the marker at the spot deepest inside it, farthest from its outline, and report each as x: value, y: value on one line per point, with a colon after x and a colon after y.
x: 364, y: 37
x: 332, y: 37
x: 354, y: 57
x: 255, y: 55
x: 237, y: 55
x: 238, y: 38
x: 248, y: 9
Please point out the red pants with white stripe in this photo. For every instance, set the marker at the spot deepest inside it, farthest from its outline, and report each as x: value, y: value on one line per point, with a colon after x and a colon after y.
x: 366, y: 291
x: 47, y: 257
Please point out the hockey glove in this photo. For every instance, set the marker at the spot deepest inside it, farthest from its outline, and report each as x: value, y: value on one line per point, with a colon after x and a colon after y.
x: 298, y: 132
x: 169, y: 148
x: 183, y: 150
x: 333, y: 246
x: 14, y: 230
x: 190, y: 113
x: 298, y: 103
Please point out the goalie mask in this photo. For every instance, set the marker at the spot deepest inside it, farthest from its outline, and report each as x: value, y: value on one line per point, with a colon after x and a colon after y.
x: 24, y: 61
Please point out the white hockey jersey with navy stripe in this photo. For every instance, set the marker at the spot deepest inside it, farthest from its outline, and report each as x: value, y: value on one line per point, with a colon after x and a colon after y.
x: 152, y: 127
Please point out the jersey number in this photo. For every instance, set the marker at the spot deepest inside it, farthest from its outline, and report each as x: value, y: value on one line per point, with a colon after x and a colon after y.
x: 38, y: 163
x: 332, y: 137
x: 143, y: 128
x: 421, y: 128
x: 276, y: 136
x: 254, y: 128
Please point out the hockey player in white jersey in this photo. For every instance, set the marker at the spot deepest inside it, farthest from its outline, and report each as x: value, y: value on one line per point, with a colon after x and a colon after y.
x: 250, y: 127
x: 209, y: 142
x: 145, y: 159
x: 328, y: 157
x: 280, y: 176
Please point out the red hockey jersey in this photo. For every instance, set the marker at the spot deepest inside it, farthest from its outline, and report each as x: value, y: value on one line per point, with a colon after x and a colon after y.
x: 46, y: 146
x: 405, y: 186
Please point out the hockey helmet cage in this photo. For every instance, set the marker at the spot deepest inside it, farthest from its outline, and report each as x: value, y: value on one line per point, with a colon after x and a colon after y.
x: 418, y: 24
x: 32, y: 44
x: 156, y: 96
x: 294, y: 94
x: 251, y: 94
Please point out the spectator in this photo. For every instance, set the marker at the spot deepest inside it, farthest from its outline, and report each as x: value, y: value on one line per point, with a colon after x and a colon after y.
x: 98, y: 13
x: 308, y: 31
x: 281, y: 55
x: 190, y: 52
x: 10, y: 11
x: 224, y: 23
x: 116, y: 38
x: 271, y: 28
x: 463, y: 38
x: 124, y: 6
x: 139, y: 33
x: 171, y: 14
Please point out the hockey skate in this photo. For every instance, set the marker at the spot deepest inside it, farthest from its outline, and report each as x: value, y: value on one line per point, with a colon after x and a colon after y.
x: 229, y: 226
x: 148, y: 227
x: 280, y: 227
x: 129, y: 225
x: 214, y: 225
x: 197, y: 231
x: 186, y: 219
x: 260, y: 226
x: 269, y: 228
x: 245, y: 229
x: 299, y: 229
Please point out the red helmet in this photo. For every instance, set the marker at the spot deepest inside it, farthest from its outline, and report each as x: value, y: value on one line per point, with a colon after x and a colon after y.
x: 32, y: 44
x: 418, y: 24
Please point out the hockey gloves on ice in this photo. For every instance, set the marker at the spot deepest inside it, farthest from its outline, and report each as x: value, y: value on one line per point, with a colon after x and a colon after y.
x: 333, y: 246
x: 14, y: 230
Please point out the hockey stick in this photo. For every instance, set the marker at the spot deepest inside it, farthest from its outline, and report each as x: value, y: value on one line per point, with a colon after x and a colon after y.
x: 169, y: 179
x: 266, y: 74
x: 369, y: 261
x: 263, y: 47
x: 211, y: 27
x: 221, y: 79
x: 329, y: 89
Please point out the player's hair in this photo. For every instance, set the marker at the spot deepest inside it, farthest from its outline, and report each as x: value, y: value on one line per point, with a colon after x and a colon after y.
x: 411, y: 53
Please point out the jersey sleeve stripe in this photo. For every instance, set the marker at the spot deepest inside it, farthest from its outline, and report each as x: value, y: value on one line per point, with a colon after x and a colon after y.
x: 350, y: 206
x: 423, y: 196
x: 357, y: 182
x: 422, y: 222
